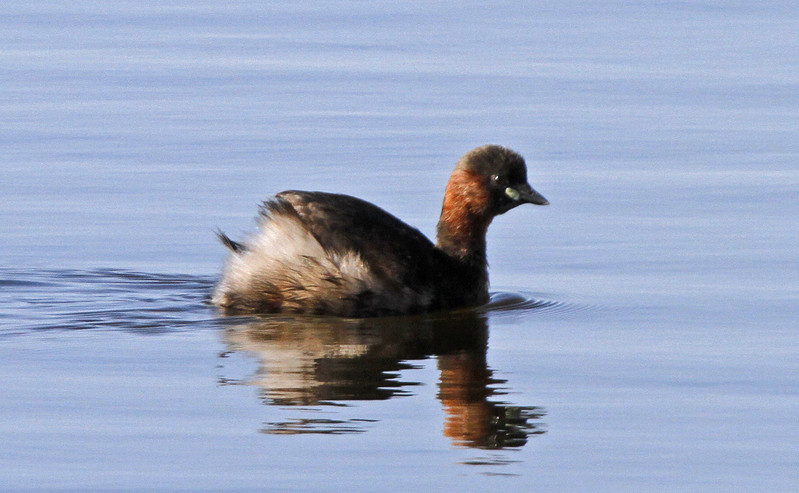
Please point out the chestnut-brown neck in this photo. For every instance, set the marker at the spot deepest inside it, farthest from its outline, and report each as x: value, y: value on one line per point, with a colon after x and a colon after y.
x: 465, y: 216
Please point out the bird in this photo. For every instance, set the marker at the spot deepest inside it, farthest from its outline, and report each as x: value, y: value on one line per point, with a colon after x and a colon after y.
x: 331, y: 254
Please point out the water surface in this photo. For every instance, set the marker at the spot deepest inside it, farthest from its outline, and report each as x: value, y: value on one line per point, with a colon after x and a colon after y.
x: 642, y: 331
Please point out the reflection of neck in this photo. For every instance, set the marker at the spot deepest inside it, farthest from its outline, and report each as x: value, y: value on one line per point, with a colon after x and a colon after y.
x: 463, y: 391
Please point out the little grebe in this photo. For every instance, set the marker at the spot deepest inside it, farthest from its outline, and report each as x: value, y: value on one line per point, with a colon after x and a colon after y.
x: 331, y: 254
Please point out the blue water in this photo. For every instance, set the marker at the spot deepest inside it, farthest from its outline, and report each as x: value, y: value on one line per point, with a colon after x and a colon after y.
x: 642, y: 331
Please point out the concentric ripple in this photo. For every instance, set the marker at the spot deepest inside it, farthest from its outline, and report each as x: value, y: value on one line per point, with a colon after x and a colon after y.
x: 506, y: 301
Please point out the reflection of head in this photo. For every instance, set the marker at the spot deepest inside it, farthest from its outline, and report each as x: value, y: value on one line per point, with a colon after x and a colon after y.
x: 312, y: 361
x: 472, y: 420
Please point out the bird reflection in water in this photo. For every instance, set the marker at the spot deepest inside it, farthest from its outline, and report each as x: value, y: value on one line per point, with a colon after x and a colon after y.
x: 306, y: 361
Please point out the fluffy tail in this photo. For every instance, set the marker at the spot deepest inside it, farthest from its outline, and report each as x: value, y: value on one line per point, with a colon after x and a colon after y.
x: 234, y: 246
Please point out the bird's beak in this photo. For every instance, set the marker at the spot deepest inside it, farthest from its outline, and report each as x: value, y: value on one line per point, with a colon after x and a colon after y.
x: 524, y: 194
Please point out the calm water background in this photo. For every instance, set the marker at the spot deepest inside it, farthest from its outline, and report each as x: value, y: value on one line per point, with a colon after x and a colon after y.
x: 644, y: 330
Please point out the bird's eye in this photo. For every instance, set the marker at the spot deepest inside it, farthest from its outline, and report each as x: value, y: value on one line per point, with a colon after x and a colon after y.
x: 495, y: 178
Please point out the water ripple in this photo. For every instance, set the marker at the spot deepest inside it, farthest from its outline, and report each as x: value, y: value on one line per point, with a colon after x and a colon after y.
x: 519, y: 302
x: 71, y: 299
x: 66, y: 299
